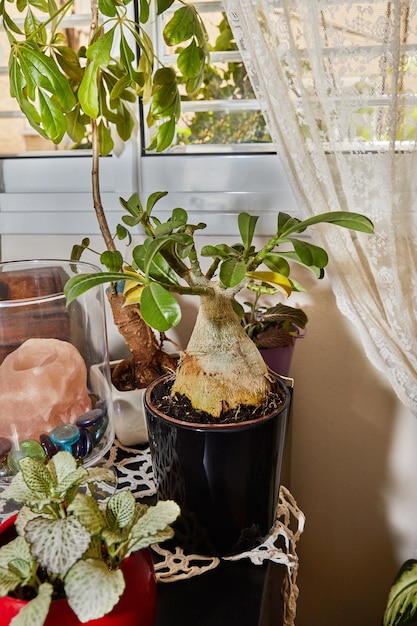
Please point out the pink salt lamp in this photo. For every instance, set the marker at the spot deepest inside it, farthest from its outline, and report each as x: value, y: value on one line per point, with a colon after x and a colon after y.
x: 43, y: 383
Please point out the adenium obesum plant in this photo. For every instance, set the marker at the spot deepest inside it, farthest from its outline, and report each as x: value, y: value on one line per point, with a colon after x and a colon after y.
x: 221, y: 368
x: 67, y: 539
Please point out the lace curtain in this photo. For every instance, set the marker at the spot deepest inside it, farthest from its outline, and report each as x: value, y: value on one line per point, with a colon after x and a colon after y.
x: 337, y: 82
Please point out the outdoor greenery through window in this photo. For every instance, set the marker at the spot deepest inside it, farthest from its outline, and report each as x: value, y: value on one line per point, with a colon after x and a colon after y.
x: 224, y: 111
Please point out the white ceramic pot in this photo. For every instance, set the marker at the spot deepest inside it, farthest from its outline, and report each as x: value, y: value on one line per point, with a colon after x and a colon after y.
x: 128, y: 412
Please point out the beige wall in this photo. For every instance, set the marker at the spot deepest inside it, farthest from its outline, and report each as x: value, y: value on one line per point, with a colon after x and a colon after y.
x: 354, y: 467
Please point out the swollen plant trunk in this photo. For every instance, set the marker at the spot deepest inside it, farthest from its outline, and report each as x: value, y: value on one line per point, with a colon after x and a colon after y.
x: 221, y: 368
x: 148, y: 360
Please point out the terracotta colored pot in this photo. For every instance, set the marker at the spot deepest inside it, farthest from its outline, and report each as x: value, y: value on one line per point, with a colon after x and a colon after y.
x: 224, y: 477
x: 136, y: 607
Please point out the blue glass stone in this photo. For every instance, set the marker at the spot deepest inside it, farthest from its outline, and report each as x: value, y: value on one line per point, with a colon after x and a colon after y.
x: 64, y: 436
x: 48, y: 447
x: 99, y: 432
x: 84, y: 446
x: 95, y: 421
x: 91, y: 419
x: 102, y: 405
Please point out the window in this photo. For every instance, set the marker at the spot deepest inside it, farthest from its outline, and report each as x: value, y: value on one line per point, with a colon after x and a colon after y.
x: 47, y: 190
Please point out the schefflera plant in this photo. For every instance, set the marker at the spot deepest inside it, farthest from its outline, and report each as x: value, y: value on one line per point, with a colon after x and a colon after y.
x: 83, y: 90
x: 221, y: 368
x: 90, y: 91
x: 67, y: 538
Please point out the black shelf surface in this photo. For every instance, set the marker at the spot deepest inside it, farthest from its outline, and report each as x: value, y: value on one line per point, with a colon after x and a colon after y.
x: 236, y: 593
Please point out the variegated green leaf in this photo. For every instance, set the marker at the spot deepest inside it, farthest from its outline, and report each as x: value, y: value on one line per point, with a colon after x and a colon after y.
x: 86, y: 510
x: 120, y: 509
x: 34, y: 613
x: 18, y: 548
x: 9, y: 580
x: 57, y: 544
x: 92, y: 589
x: 155, y: 519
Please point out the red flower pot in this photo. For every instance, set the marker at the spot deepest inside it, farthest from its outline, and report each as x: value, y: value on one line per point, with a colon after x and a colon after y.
x: 136, y: 607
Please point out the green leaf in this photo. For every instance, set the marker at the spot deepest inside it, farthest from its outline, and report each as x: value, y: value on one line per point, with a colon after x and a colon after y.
x: 107, y: 7
x: 159, y: 268
x: 309, y: 254
x: 232, y: 272
x: 105, y: 139
x: 99, y: 54
x: 165, y: 134
x: 57, y: 544
x: 143, y: 11
x: 152, y: 524
x: 119, y: 87
x: 125, y: 122
x: 190, y: 60
x: 79, y: 284
x: 92, y: 589
x: 99, y: 51
x: 353, y: 221
x: 36, y: 476
x: 53, y: 120
x: 45, y: 73
x: 32, y: 26
x: 75, y: 126
x: 159, y: 308
x: 122, y: 233
x: 166, y: 100
x: 247, y: 225
x: 18, y: 548
x: 153, y: 199
x: 88, y: 91
x: 181, y: 26
x: 86, y: 510
x: 65, y: 471
x: 127, y: 56
x: 401, y: 607
x: 276, y: 263
x: 163, y: 5
x: 77, y: 250
x: 222, y: 251
x: 113, y: 260
x: 69, y: 62
x: 35, y: 612
x: 120, y: 509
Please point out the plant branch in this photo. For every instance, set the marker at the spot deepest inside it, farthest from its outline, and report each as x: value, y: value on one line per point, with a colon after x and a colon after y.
x: 95, y: 180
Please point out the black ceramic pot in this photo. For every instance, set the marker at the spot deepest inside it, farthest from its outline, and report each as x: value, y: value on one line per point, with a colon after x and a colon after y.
x: 224, y: 477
